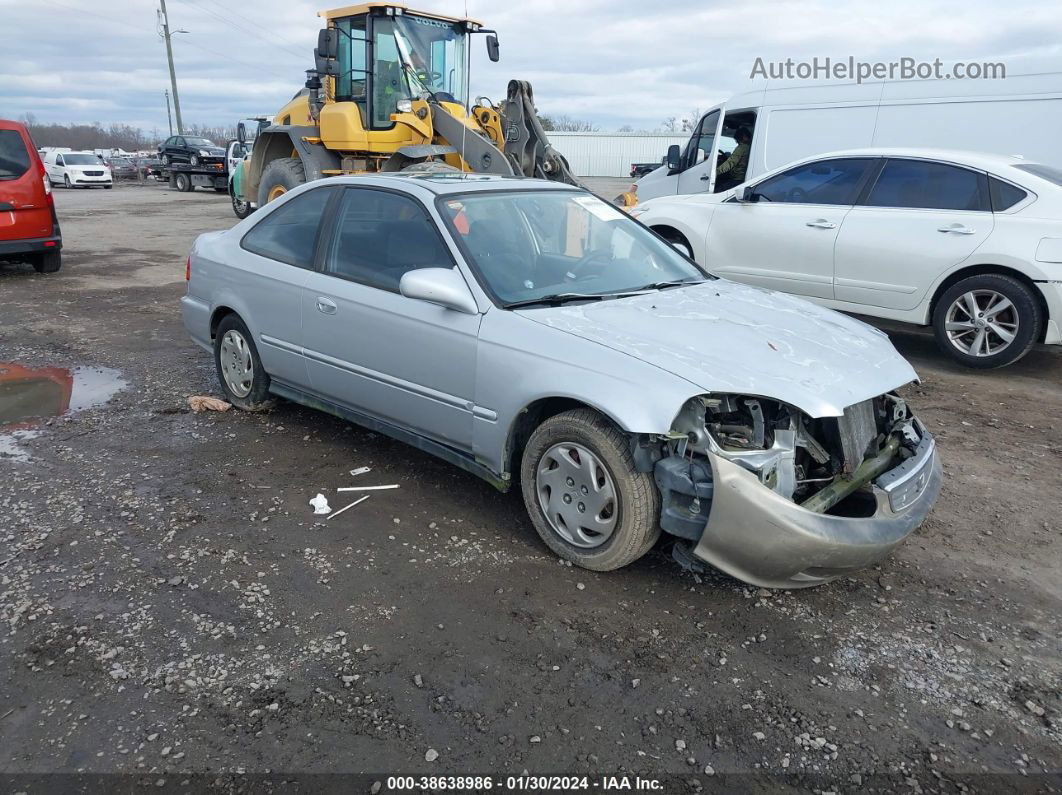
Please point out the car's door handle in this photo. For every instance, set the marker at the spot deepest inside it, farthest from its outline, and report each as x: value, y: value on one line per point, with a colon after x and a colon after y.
x: 957, y: 229
x: 706, y: 176
x: 822, y: 223
x: 326, y: 305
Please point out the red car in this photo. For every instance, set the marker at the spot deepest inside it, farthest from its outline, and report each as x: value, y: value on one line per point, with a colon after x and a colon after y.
x: 29, y: 228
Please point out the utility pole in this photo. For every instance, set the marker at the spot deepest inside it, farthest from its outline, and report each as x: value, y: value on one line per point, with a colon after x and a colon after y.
x: 169, y: 118
x: 165, y: 19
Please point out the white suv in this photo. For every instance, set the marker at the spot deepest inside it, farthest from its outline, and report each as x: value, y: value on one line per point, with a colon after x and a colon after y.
x: 966, y: 242
x: 77, y: 169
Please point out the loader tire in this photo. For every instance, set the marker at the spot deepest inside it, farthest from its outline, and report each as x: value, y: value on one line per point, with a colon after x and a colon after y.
x: 280, y: 176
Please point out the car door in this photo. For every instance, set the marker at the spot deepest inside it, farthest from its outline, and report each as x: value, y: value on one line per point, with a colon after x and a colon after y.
x: 919, y: 220
x: 701, y: 155
x: 783, y: 237
x: 371, y: 349
x: 277, y: 256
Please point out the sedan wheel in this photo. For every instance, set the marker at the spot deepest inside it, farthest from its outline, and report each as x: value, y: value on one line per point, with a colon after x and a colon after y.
x: 577, y: 495
x: 987, y: 321
x: 982, y: 322
x: 243, y: 379
x: 66, y: 181
x: 237, y: 367
x: 586, y: 499
x: 193, y: 160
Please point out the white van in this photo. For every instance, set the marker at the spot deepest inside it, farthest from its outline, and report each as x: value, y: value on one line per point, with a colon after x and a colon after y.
x: 77, y: 169
x: 1017, y: 115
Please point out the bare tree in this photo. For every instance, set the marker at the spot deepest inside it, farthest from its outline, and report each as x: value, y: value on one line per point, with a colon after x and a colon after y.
x: 626, y: 128
x: 564, y: 123
x: 670, y: 124
x: 690, y: 122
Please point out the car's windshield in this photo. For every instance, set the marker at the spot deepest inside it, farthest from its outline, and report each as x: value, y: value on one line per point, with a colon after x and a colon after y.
x: 199, y: 141
x: 80, y: 160
x: 529, y: 245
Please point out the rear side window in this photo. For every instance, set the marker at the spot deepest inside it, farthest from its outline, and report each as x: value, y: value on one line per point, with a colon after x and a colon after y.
x: 379, y: 236
x: 289, y: 233
x: 823, y: 182
x: 14, y: 158
x: 1004, y: 195
x: 923, y: 185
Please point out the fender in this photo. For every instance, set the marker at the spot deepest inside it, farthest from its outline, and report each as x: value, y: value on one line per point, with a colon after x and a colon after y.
x: 280, y: 140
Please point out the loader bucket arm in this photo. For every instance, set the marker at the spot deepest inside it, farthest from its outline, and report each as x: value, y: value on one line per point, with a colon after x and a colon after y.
x: 526, y: 144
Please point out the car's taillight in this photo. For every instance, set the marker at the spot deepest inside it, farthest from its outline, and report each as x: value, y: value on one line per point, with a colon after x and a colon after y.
x: 47, y: 188
x: 188, y: 270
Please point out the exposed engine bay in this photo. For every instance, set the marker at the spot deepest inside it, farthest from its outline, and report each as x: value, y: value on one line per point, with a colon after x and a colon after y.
x: 825, y: 465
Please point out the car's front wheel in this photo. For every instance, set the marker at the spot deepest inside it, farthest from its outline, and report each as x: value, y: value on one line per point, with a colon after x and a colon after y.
x: 585, y: 497
x: 166, y: 160
x: 193, y: 160
x: 987, y: 321
x: 66, y: 181
x: 243, y: 379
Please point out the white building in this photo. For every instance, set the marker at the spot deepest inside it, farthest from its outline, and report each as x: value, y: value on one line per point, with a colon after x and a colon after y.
x: 610, y: 154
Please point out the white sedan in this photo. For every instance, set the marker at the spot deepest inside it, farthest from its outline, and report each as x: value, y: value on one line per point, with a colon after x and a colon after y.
x: 969, y: 243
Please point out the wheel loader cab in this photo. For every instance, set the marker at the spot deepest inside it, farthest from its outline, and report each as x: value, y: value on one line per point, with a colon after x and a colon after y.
x: 387, y: 57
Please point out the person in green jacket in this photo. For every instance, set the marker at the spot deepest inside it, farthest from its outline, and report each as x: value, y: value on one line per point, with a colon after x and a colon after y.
x: 731, y: 171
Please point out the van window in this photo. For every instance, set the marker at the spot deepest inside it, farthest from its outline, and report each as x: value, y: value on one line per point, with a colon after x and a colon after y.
x: 701, y: 145
x: 14, y: 159
x: 289, y: 233
x: 1004, y: 195
x: 920, y: 184
x: 822, y: 182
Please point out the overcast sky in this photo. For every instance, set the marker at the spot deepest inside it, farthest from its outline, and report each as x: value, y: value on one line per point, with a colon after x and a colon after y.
x: 613, y: 62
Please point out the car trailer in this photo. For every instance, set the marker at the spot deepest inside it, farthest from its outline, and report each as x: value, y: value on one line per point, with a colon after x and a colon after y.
x: 185, y: 177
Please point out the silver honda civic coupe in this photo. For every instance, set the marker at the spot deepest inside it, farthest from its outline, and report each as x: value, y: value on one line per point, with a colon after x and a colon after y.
x: 531, y: 333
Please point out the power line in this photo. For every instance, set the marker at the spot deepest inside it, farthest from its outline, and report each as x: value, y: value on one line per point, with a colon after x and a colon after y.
x: 270, y: 32
x: 237, y: 25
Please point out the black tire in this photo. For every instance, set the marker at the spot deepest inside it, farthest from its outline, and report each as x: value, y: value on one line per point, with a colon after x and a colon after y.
x: 66, y: 181
x: 241, y: 208
x: 108, y: 187
x: 637, y: 503
x: 1024, y: 312
x: 257, y: 398
x: 193, y: 160
x: 166, y: 160
x: 183, y: 183
x: 283, y: 174
x: 47, y: 262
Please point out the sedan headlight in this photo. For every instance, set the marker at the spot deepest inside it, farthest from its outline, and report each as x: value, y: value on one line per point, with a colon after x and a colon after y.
x: 204, y: 153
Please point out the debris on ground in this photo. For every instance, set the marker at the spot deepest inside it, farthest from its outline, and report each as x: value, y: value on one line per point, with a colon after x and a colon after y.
x: 320, y: 505
x: 360, y: 499
x: 200, y: 403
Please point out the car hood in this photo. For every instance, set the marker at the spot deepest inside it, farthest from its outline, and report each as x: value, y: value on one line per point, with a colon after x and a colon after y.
x: 726, y: 337
x: 215, y: 151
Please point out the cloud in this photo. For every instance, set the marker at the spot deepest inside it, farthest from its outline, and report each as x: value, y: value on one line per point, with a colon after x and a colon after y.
x: 613, y: 62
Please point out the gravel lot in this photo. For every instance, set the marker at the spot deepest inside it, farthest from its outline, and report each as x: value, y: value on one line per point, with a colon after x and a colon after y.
x: 169, y: 606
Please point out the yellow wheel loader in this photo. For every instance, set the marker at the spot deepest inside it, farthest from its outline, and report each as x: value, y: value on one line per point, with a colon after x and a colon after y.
x: 389, y: 92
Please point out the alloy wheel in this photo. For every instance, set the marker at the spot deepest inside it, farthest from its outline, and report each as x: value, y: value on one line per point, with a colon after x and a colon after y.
x: 237, y: 365
x: 577, y: 495
x: 981, y: 323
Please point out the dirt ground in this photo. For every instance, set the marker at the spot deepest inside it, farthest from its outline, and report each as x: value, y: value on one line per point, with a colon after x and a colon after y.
x: 170, y: 607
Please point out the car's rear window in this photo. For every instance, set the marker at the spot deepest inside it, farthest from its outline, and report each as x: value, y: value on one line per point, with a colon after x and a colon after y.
x: 14, y: 158
x: 1043, y: 172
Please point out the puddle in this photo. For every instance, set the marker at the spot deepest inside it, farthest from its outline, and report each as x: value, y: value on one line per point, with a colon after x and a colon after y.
x: 29, y: 395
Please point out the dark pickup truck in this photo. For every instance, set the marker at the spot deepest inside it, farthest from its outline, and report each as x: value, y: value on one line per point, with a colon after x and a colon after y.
x: 641, y: 169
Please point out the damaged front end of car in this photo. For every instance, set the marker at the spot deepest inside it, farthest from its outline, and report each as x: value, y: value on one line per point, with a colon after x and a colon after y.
x: 781, y: 499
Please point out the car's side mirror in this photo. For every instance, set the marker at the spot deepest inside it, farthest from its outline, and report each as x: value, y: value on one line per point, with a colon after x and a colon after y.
x: 493, y: 48
x: 442, y: 286
x: 747, y: 195
x: 674, y: 157
x: 241, y: 133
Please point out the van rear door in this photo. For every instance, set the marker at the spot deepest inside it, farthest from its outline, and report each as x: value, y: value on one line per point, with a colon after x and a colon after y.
x: 24, y: 209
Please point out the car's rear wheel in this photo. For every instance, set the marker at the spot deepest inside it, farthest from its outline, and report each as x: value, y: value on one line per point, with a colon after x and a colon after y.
x: 987, y: 321
x: 586, y: 499
x: 280, y: 176
x: 47, y: 261
x: 243, y: 379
